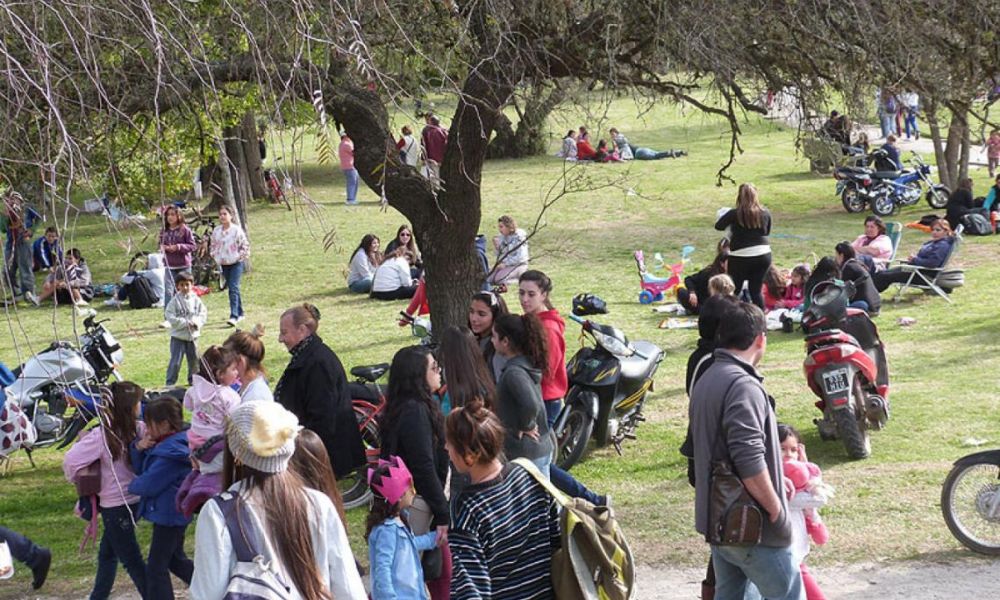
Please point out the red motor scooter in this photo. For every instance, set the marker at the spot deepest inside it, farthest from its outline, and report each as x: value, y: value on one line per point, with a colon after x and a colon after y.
x: 845, y: 367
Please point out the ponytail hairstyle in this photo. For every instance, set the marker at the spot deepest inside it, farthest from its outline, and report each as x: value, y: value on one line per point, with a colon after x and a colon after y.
x: 304, y: 314
x: 846, y: 250
x: 311, y: 462
x: 214, y: 361
x: 526, y: 335
x: 721, y: 284
x: 164, y: 409
x: 474, y: 429
x: 721, y: 262
x: 250, y: 346
x: 542, y: 281
x: 465, y: 370
x: 118, y: 419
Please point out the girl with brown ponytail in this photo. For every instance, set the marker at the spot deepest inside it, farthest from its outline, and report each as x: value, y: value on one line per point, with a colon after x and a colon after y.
x: 249, y: 347
x: 503, y: 505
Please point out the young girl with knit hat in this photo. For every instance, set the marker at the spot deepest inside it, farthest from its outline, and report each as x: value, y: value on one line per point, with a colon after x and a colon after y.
x: 288, y: 519
x: 393, y: 550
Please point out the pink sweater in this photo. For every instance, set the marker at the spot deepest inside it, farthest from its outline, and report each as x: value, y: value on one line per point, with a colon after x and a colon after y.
x: 115, y: 476
x: 346, y: 153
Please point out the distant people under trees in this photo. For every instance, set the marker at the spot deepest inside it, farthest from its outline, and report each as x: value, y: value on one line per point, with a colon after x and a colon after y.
x: 435, y: 141
x: 568, y: 149
x: 628, y: 152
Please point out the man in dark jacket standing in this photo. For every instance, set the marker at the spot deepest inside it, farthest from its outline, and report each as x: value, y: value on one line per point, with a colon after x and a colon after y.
x: 314, y: 388
x: 732, y: 419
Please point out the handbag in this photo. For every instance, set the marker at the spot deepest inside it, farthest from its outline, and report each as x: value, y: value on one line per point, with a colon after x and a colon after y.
x: 6, y: 563
x: 734, y: 517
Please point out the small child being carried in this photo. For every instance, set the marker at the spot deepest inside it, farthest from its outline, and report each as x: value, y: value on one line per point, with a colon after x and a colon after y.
x: 810, y: 493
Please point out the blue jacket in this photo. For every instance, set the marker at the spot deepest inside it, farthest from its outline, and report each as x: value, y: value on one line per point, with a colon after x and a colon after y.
x: 932, y: 254
x: 160, y: 470
x: 46, y: 255
x: 394, y: 562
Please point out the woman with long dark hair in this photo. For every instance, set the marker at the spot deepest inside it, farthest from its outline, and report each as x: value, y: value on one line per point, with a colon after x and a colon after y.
x: 109, y: 444
x: 177, y: 246
x: 749, y: 248
x: 312, y: 464
x: 412, y: 428
x: 364, y: 261
x: 484, y: 309
x: 533, y: 289
x: 695, y: 291
x: 298, y: 529
x: 466, y: 374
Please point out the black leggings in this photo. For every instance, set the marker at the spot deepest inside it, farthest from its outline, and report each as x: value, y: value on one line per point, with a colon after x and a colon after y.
x: 396, y: 294
x: 751, y: 269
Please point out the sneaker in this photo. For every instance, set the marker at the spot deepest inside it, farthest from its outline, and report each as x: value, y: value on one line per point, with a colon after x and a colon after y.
x: 232, y: 321
x: 41, y: 570
x: 81, y: 302
x: 351, y: 202
x: 164, y: 325
x: 84, y: 312
x: 31, y: 297
x: 115, y: 302
x: 240, y: 318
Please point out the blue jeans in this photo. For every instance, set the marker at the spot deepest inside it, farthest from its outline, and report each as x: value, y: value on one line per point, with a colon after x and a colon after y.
x: 21, y: 275
x: 118, y: 544
x: 21, y: 548
x: 233, y: 273
x: 887, y: 122
x: 351, y: 177
x: 552, y: 408
x: 166, y: 556
x: 178, y: 350
x: 911, y: 123
x: 361, y: 286
x: 570, y: 486
x: 740, y: 569
x: 169, y: 286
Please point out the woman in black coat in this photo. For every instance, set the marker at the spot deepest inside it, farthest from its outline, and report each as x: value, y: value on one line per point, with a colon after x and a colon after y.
x: 314, y: 388
x: 695, y: 291
x: 412, y: 428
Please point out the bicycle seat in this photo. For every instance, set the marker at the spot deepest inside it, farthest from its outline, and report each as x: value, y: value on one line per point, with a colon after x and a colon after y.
x: 370, y: 372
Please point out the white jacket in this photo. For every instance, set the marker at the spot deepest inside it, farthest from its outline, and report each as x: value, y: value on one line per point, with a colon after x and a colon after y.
x: 392, y: 275
x: 186, y: 315
x: 361, y: 267
x: 214, y: 557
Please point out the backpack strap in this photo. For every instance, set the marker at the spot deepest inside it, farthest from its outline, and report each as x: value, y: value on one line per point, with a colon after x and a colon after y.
x: 553, y: 491
x: 241, y: 530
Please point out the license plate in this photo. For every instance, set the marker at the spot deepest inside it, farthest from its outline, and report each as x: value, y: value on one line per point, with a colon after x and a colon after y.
x: 835, y: 382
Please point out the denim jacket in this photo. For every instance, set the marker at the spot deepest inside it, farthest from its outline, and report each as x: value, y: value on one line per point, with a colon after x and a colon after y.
x: 396, y: 573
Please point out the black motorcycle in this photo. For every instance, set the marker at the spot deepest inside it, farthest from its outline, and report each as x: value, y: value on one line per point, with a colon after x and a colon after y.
x: 608, y: 386
x: 970, y: 501
x: 885, y: 188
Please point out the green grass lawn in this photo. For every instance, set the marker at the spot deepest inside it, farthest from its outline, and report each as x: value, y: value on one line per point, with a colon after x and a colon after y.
x: 943, y: 381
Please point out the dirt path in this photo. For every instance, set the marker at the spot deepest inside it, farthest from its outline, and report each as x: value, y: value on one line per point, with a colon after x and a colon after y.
x: 912, y: 580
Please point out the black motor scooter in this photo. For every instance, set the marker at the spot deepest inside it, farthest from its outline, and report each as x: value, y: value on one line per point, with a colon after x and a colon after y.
x: 608, y: 386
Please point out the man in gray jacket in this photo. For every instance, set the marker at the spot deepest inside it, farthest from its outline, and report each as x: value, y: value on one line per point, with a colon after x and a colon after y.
x: 732, y: 419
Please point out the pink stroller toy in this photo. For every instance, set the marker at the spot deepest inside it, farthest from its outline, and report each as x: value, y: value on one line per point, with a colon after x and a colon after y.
x: 655, y: 288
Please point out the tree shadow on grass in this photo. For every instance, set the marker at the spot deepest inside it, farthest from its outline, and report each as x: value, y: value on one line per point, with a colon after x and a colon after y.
x: 792, y: 176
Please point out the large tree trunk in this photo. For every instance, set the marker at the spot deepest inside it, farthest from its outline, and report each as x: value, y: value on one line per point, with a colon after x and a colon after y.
x: 530, y: 138
x: 238, y: 172
x: 251, y: 154
x: 951, y: 152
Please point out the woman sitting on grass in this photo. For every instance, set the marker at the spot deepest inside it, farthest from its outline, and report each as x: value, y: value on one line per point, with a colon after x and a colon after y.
x: 392, y: 279
x: 69, y: 283
x: 364, y: 262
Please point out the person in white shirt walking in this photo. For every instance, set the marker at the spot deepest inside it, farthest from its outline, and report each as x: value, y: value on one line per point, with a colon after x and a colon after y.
x: 230, y: 248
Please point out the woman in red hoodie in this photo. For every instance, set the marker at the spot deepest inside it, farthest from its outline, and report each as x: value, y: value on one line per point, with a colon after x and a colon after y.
x: 533, y: 290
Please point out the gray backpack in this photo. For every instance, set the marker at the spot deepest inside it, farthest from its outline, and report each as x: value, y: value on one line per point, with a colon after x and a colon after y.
x: 252, y: 578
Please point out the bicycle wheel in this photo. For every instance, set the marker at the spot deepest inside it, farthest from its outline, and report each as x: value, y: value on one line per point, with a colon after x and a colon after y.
x: 354, y: 488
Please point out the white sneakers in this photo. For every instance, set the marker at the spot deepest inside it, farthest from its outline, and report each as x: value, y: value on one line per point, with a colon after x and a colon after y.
x: 164, y: 325
x: 232, y: 321
x: 31, y: 297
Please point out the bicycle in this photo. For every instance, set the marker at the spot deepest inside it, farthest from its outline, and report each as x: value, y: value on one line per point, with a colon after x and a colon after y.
x: 204, y: 269
x: 367, y: 402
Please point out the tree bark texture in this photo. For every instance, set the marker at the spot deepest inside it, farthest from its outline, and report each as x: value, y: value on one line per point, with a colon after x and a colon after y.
x: 251, y: 154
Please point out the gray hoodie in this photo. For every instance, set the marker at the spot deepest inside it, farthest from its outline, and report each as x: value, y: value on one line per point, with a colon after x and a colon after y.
x: 520, y: 408
x: 731, y: 392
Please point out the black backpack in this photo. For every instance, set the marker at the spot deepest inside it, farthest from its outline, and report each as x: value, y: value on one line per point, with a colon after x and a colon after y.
x: 140, y: 293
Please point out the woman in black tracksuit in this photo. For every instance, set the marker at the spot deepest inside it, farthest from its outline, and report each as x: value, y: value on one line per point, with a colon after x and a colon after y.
x: 749, y: 249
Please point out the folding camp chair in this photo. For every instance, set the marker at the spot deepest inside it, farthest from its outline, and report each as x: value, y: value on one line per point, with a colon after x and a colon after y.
x: 934, y: 280
x: 894, y: 230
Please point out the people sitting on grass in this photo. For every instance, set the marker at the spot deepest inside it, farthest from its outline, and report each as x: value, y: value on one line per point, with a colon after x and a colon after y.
x: 628, y: 152
x: 825, y: 270
x: 584, y: 151
x: 865, y: 295
x: 70, y: 283
x: 568, y: 149
x: 695, y: 290
x: 873, y: 248
x: 773, y: 290
x: 393, y: 279
x: 512, y: 251
x: 606, y: 154
x: 781, y: 291
x: 961, y: 203
x: 992, y: 201
x: 46, y: 251
x: 364, y: 262
x: 405, y: 239
x: 931, y: 255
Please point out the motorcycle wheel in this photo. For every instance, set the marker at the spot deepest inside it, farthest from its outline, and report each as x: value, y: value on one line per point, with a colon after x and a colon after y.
x: 883, y: 205
x: 852, y: 200
x: 937, y: 196
x: 573, y: 438
x: 354, y: 488
x: 852, y: 425
x: 968, y: 493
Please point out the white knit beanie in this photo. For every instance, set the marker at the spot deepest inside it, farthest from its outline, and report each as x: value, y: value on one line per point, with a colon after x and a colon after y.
x: 261, y: 435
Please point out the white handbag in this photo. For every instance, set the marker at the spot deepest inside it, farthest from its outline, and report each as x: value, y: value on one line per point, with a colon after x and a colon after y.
x: 6, y: 564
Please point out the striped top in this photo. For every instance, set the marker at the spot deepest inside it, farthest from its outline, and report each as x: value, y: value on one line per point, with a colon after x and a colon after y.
x: 503, y: 534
